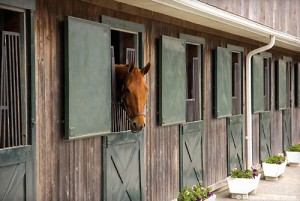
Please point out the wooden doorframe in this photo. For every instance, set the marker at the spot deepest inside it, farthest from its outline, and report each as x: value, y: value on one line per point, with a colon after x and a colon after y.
x: 31, y: 94
x: 25, y: 154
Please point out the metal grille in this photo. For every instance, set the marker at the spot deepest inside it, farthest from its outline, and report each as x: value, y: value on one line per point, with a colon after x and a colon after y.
x: 236, y: 83
x: 236, y: 88
x: 130, y: 55
x: 193, y: 98
x: 10, y: 92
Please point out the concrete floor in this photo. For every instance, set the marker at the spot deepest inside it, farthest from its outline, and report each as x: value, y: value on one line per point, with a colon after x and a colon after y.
x: 286, y: 188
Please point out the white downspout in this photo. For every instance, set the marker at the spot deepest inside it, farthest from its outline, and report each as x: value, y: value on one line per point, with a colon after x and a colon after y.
x: 248, y: 98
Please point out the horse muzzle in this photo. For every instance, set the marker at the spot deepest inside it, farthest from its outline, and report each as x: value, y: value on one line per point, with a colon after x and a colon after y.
x: 137, y: 124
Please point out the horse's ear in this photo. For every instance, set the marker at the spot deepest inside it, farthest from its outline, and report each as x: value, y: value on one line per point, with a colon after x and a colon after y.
x: 146, y: 69
x: 130, y: 67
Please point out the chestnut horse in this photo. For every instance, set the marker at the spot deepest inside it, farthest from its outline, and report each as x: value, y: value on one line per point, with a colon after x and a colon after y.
x: 132, y: 92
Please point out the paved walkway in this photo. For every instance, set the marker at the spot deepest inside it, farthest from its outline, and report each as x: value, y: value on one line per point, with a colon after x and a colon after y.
x: 286, y: 188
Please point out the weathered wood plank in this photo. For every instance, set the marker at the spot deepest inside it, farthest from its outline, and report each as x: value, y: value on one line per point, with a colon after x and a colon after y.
x: 280, y: 15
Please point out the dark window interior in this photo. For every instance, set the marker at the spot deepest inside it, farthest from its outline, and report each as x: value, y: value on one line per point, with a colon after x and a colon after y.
x: 236, y: 83
x: 266, y: 84
x: 11, y: 132
x: 193, y: 112
x: 10, y: 21
x: 124, y: 46
x: 288, y: 84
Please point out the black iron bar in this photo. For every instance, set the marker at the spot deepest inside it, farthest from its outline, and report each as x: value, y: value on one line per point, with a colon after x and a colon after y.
x: 13, y: 98
x: 6, y: 115
x: 18, y: 97
x: 10, y: 97
x: 18, y: 60
x: 9, y: 54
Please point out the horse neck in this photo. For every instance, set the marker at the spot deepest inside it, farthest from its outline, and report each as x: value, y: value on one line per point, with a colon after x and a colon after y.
x: 121, y: 73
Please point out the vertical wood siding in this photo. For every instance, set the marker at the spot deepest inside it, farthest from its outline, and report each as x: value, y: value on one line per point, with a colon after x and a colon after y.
x: 280, y: 15
x: 71, y: 170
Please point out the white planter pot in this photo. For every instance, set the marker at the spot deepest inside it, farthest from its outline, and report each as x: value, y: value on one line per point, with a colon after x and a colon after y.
x: 242, y: 185
x: 273, y: 170
x: 293, y: 156
x: 211, y: 198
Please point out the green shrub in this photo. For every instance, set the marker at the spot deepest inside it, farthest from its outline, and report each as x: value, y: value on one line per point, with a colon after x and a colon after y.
x: 247, y: 174
x: 295, y: 147
x: 195, y: 193
x: 276, y: 159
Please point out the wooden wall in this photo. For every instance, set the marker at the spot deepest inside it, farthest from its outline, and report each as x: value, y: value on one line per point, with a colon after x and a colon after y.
x: 71, y: 170
x: 280, y: 15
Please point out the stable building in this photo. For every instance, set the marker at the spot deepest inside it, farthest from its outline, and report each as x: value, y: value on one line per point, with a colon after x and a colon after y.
x: 223, y: 93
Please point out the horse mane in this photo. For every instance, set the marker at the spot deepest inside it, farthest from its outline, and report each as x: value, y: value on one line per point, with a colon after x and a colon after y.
x: 121, y: 72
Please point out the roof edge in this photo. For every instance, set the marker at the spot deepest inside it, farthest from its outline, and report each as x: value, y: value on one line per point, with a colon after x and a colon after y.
x: 206, y: 15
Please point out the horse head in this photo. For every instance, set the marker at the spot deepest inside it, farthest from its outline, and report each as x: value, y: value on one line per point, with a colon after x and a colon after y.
x: 133, y: 93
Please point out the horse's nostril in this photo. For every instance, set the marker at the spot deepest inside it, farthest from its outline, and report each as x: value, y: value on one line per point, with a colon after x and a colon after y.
x: 134, y: 124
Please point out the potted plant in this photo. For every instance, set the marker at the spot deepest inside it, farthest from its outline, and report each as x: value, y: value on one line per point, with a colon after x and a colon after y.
x: 293, y: 154
x: 196, y: 193
x: 274, y: 166
x: 242, y: 182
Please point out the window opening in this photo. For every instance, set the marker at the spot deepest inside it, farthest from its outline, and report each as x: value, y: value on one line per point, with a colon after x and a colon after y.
x: 124, y: 46
x: 11, y: 130
x: 193, y: 111
x: 123, y: 50
x: 266, y: 84
x: 288, y: 84
x: 236, y: 84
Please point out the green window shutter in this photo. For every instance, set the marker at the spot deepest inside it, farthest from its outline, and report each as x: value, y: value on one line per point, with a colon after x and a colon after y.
x: 281, y: 84
x: 257, y: 84
x: 223, y: 85
x: 28, y: 4
x: 297, y: 88
x: 88, y: 78
x: 172, y: 81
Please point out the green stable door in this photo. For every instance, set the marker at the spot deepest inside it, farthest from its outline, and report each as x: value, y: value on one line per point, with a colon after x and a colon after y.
x: 286, y: 129
x: 191, y: 153
x: 235, y: 143
x: 16, y: 174
x: 123, y: 168
x: 264, y: 135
